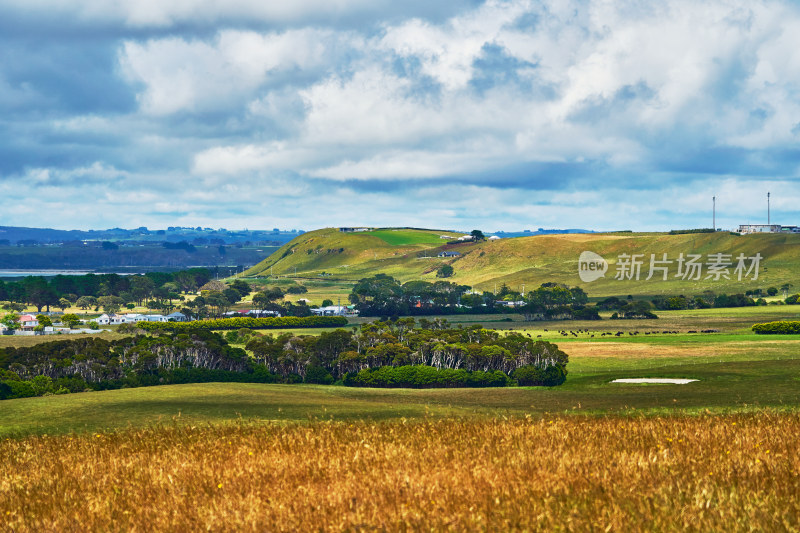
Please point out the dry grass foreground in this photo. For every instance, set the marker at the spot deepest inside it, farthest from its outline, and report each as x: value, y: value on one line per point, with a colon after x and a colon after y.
x: 707, y: 473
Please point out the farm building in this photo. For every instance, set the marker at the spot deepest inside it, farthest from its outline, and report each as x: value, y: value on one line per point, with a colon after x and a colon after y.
x: 334, y: 310
x: 767, y: 228
x: 110, y: 319
x: 759, y: 228
x: 28, y: 322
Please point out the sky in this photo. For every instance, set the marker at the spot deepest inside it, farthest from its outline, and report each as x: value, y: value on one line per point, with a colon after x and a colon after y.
x: 499, y: 115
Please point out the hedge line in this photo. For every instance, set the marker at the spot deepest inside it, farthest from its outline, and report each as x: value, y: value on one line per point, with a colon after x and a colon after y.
x: 41, y: 385
x: 783, y: 327
x: 424, y: 377
x: 247, y: 322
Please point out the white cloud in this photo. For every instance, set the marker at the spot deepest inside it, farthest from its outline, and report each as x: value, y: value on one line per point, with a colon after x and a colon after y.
x: 196, y: 76
x: 90, y: 175
x: 158, y: 14
x: 448, y: 51
x: 403, y: 165
x: 636, y: 99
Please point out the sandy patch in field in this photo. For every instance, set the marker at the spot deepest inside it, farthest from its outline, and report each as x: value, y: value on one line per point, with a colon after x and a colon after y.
x: 670, y: 381
x: 630, y: 350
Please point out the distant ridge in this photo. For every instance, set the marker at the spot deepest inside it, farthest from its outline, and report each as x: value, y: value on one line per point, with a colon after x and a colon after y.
x: 25, y: 235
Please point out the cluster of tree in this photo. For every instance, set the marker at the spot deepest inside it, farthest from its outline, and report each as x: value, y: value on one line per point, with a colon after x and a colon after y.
x: 444, y: 271
x: 706, y: 301
x: 627, y: 308
x: 155, y: 290
x: 110, y: 291
x: 384, y: 296
x: 215, y: 299
x: 198, y: 355
x: 296, y: 289
x: 182, y: 245
x: 400, y: 343
x: 552, y: 301
x: 770, y: 291
x: 476, y: 236
x: 98, y: 363
x: 709, y: 299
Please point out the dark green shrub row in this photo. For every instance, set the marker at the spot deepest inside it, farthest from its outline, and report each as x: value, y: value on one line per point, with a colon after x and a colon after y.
x: 43, y: 385
x: 531, y: 375
x: 247, y: 322
x: 424, y: 377
x: 690, y: 231
x: 784, y: 327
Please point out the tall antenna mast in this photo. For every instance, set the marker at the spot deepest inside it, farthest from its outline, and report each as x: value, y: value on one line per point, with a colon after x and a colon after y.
x: 768, y: 220
x: 714, y: 213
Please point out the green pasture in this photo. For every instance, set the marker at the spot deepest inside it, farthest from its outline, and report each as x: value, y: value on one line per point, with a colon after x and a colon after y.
x: 727, y: 321
x: 405, y: 237
x: 723, y: 386
x: 736, y: 369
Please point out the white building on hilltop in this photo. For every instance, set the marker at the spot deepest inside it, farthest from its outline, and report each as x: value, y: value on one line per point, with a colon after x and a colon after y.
x: 745, y: 229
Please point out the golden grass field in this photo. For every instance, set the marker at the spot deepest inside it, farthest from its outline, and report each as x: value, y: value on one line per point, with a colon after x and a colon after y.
x: 573, y: 473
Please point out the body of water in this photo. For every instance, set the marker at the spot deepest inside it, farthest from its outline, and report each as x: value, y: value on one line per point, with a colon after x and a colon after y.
x: 21, y: 273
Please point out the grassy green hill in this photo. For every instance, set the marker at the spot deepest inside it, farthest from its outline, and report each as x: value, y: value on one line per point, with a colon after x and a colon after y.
x: 411, y: 254
x: 352, y: 255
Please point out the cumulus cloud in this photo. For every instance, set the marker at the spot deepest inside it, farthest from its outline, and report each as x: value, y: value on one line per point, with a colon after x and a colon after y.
x: 198, y: 76
x: 506, y: 111
x: 75, y: 177
x: 158, y: 15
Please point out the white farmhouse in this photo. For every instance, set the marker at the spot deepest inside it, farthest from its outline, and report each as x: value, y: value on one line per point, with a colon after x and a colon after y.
x: 110, y: 319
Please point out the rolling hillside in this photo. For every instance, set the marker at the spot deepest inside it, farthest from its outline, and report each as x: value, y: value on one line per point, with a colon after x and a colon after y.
x: 411, y: 254
x: 352, y: 255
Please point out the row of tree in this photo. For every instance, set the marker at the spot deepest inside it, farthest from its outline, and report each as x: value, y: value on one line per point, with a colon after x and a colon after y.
x: 400, y: 343
x: 709, y: 299
x: 170, y: 357
x: 92, y: 290
x: 11, y: 321
x: 383, y: 296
